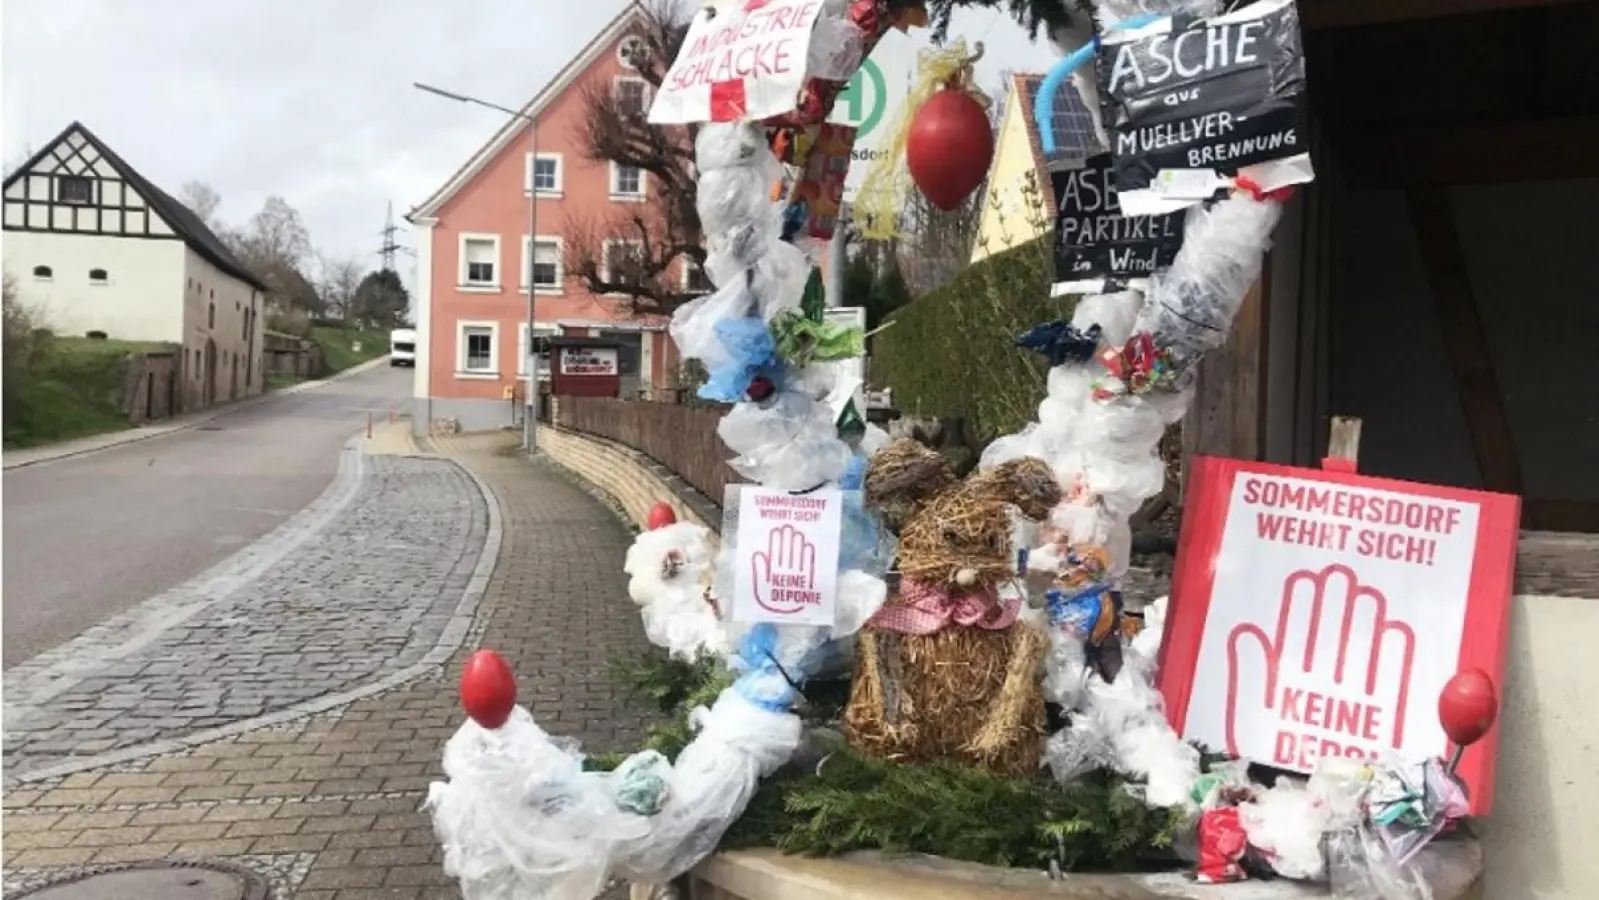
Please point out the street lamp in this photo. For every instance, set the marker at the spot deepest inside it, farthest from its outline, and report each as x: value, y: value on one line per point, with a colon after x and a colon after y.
x: 529, y: 428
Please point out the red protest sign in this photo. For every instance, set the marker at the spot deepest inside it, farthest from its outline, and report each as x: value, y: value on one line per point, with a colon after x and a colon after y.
x: 1319, y: 613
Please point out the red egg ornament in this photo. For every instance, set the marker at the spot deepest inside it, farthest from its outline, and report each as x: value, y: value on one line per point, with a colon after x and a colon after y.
x: 1468, y: 706
x: 488, y: 689
x: 949, y: 147
x: 661, y: 515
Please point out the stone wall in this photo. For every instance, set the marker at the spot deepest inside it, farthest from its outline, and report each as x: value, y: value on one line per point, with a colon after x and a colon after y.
x: 634, y: 480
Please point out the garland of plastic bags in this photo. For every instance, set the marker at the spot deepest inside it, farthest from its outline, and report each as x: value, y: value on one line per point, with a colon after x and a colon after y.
x: 519, y: 818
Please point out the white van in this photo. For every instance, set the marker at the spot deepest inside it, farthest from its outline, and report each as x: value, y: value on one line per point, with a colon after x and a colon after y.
x: 402, y: 347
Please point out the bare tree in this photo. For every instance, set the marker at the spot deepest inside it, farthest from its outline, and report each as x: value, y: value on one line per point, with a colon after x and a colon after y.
x: 638, y: 255
x: 203, y: 200
x: 276, y: 246
x: 337, y: 282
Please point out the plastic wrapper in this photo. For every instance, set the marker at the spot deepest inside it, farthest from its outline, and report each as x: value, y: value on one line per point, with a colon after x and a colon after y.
x: 1190, y: 307
x: 727, y: 198
x: 1285, y: 824
x: 668, y: 571
x: 693, y: 326
x: 1221, y: 846
x: 519, y: 819
x: 747, y: 350
x: 1113, y: 313
x: 712, y: 781
x: 789, y: 442
x: 836, y: 44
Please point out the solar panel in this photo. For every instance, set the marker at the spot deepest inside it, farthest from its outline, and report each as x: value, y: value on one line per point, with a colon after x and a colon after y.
x: 1076, y: 138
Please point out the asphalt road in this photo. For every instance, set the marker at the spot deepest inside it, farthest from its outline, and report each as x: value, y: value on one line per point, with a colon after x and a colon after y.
x: 91, y: 536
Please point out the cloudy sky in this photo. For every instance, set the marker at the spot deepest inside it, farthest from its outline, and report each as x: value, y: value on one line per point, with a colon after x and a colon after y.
x: 310, y: 99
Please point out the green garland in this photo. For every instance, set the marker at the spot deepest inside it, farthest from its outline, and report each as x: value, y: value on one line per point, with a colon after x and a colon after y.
x: 854, y: 802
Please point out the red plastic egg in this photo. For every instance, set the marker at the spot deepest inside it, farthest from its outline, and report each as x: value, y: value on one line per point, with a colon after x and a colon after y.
x: 488, y: 689
x: 661, y: 515
x: 949, y: 147
x: 1468, y: 706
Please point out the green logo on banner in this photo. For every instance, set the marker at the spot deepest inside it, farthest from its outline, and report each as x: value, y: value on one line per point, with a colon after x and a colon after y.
x: 855, y: 98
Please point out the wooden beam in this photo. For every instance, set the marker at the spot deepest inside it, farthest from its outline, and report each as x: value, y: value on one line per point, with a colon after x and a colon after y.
x: 1227, y: 418
x: 1560, y: 515
x: 1344, y: 13
x: 1470, y: 153
x: 1464, y: 340
x: 1560, y: 565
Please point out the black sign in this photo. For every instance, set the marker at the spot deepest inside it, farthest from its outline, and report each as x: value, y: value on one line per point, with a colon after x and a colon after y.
x: 1096, y: 247
x: 1215, y: 95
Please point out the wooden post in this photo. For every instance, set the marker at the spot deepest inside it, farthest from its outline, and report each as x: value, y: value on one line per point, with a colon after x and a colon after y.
x: 1343, y: 444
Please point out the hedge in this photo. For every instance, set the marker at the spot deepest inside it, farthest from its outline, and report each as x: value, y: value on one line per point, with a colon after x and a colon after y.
x: 952, y: 351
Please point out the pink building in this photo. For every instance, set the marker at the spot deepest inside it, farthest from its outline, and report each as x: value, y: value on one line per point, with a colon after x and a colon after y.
x: 473, y: 254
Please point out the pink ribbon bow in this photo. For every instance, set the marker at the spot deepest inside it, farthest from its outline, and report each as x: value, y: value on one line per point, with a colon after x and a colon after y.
x: 926, y: 608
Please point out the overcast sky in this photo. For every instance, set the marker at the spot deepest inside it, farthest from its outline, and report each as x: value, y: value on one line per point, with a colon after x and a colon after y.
x: 311, y: 99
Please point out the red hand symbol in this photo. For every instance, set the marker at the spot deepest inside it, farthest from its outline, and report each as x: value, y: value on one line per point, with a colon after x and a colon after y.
x: 789, y: 560
x: 1308, y: 650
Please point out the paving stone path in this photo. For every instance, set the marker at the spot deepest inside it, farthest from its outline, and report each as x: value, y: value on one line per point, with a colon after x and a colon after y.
x: 370, y: 593
x: 327, y: 805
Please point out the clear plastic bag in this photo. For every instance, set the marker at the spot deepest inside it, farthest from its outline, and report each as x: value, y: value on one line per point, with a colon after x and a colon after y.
x: 668, y: 570
x: 1285, y: 823
x: 519, y: 819
x: 836, y: 44
x: 1190, y: 307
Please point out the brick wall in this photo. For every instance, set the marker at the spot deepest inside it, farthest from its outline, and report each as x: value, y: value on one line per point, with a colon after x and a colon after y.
x: 633, y: 479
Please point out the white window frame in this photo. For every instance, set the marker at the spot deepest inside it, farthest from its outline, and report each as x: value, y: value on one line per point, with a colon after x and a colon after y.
x: 560, y: 264
x: 643, y: 186
x: 560, y: 175
x: 644, y: 99
x: 621, y: 47
x: 492, y: 373
x: 605, y: 253
x: 523, y: 353
x: 499, y: 265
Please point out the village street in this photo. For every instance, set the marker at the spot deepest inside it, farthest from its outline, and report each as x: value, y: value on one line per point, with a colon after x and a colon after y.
x: 284, y: 710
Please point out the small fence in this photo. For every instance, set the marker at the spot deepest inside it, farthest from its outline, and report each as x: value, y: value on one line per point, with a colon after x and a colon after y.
x: 681, y: 438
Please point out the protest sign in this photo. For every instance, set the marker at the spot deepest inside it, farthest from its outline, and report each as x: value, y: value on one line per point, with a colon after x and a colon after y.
x: 785, y: 559
x: 1316, y: 613
x: 1191, y: 104
x: 746, y: 63
x: 1097, y: 248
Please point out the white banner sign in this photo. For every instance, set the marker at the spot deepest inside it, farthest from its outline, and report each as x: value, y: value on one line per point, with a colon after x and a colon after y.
x: 746, y: 63
x: 785, y: 566
x: 577, y: 361
x: 1337, y: 616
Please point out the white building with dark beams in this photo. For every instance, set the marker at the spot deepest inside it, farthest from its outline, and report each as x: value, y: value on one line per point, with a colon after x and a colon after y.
x: 91, y: 245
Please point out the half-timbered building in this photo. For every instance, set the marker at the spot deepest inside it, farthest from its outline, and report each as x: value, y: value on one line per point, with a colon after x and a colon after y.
x: 93, y: 246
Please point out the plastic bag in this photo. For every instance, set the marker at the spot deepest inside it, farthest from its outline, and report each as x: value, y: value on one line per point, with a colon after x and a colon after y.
x: 836, y: 44
x: 668, y: 569
x: 519, y: 819
x: 1190, y: 307
x: 1285, y: 824
x: 693, y: 326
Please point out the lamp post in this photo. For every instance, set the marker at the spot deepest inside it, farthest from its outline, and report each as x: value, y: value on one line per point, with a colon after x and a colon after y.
x: 529, y: 428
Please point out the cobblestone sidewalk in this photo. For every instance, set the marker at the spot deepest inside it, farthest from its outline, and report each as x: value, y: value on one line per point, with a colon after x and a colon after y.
x: 327, y: 805
x: 369, y: 593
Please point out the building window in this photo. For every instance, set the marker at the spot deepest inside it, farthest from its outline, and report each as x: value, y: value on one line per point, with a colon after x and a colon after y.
x: 541, y: 349
x: 547, y: 268
x: 695, y: 281
x: 545, y: 173
x: 621, y: 261
x: 44, y: 272
x: 480, y: 261
x: 477, y: 355
x: 633, y: 52
x: 98, y: 276
x: 632, y: 96
x: 627, y: 182
x: 211, y: 315
x: 74, y: 189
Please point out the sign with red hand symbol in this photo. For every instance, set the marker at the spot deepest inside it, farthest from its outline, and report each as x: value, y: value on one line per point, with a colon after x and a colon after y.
x: 1316, y: 613
x: 785, y: 566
